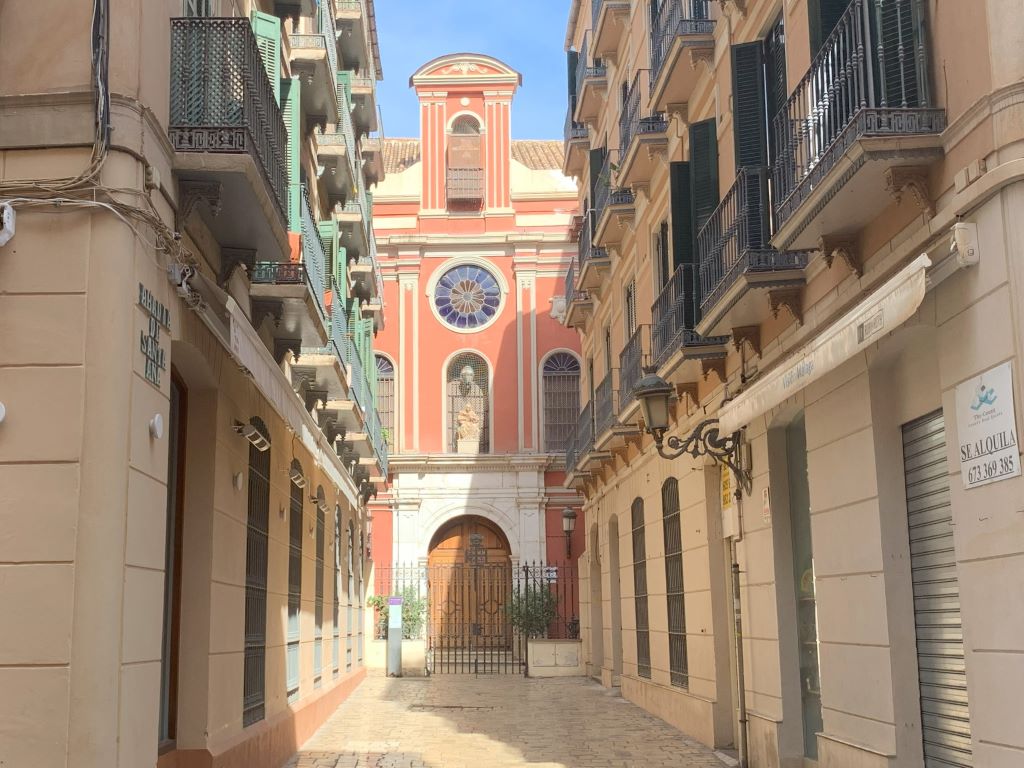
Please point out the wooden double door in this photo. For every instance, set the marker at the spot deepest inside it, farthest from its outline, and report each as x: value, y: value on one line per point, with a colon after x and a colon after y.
x: 469, y: 581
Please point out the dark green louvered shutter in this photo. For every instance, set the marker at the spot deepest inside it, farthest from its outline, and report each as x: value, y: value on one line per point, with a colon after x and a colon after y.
x: 291, y: 110
x: 748, y: 96
x: 597, y: 157
x: 822, y: 17
x: 898, y: 31
x: 704, y: 195
x: 573, y: 60
x: 776, y: 93
x: 268, y: 38
x: 684, y: 235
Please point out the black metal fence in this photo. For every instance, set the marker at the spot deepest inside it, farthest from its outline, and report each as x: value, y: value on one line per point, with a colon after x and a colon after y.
x: 631, y: 121
x: 631, y: 364
x: 475, y: 617
x: 671, y: 19
x: 605, y: 410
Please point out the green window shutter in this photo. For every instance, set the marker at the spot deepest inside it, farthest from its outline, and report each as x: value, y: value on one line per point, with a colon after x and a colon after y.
x: 704, y: 197
x: 291, y: 94
x: 329, y: 235
x: 822, y: 17
x: 748, y: 96
x: 341, y: 267
x: 901, y: 82
x: 597, y: 157
x: 268, y: 38
x: 684, y: 235
x: 573, y: 59
x: 345, y: 83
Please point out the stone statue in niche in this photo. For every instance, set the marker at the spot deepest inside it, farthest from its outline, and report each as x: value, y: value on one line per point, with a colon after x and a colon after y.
x: 467, y: 405
x: 469, y: 424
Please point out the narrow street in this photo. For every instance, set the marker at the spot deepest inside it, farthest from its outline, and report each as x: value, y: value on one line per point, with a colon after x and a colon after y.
x: 461, y: 721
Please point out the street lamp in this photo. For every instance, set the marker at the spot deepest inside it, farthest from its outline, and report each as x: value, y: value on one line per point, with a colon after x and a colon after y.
x: 568, y: 526
x: 655, y: 396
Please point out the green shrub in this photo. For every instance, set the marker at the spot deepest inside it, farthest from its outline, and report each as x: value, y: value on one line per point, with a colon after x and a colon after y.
x: 414, y: 610
x: 532, y: 609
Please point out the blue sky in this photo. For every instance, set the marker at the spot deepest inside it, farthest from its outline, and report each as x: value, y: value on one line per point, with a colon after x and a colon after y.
x: 528, y: 35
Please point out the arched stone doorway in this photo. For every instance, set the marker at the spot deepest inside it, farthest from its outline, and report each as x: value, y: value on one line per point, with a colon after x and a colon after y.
x: 469, y: 583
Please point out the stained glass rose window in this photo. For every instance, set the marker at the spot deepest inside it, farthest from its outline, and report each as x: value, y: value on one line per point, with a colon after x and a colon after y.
x: 467, y: 296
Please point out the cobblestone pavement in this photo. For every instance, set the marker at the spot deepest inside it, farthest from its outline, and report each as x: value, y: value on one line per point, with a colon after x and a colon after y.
x: 495, y: 722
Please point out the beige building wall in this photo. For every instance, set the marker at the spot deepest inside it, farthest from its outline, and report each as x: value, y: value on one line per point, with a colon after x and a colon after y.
x: 967, y: 324
x: 83, y: 474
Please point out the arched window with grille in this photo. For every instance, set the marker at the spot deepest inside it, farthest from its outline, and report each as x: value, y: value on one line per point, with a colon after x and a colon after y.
x: 336, y: 638
x: 643, y: 625
x: 256, y: 539
x: 361, y: 598
x: 350, y: 548
x: 294, y: 579
x: 672, y: 521
x: 318, y: 600
x: 561, y: 394
x: 468, y: 404
x: 466, y: 125
x: 386, y: 399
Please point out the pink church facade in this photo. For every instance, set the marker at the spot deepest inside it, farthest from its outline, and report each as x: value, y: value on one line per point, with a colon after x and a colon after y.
x: 478, y: 377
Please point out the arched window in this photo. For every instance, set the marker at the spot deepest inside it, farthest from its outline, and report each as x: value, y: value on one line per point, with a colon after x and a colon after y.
x: 336, y: 645
x: 350, y: 548
x: 643, y: 625
x: 468, y: 394
x: 386, y: 399
x: 294, y: 578
x: 257, y: 529
x: 678, y: 667
x: 561, y: 391
x: 361, y: 594
x: 318, y: 600
x: 466, y: 125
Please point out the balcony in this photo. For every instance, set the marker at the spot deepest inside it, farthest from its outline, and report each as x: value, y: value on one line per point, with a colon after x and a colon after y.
x: 682, y: 33
x: 641, y: 137
x: 373, y: 158
x: 591, y: 86
x: 593, y: 261
x: 362, y: 86
x: 608, y: 429
x: 613, y: 208
x: 465, y: 187
x: 736, y: 258
x: 579, y: 306
x: 577, y: 142
x: 353, y: 23
x: 633, y: 361
x: 293, y: 292
x: 335, y: 154
x: 862, y: 108
x: 314, y: 57
x: 674, y: 339
x: 228, y: 134
x: 609, y: 21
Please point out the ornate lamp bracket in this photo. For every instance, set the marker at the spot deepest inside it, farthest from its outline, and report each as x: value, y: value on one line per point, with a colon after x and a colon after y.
x: 705, y: 440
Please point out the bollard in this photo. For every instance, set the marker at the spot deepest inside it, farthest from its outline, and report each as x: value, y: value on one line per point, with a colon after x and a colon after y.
x: 394, y: 643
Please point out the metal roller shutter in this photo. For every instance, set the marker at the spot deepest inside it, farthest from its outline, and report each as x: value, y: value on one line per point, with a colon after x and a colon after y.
x: 946, y: 725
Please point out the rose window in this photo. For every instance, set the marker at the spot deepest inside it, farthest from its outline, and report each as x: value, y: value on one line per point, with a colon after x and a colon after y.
x: 467, y: 296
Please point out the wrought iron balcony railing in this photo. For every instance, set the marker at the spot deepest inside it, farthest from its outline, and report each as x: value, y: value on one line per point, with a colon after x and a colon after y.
x: 571, y: 452
x: 313, y: 254
x: 735, y: 238
x: 573, y: 131
x: 605, y: 410
x: 222, y: 100
x: 465, y: 184
x: 585, y: 70
x: 587, y: 251
x: 868, y: 79
x: 672, y: 19
x: 605, y: 194
x: 675, y: 313
x: 630, y: 121
x: 585, y: 431
x: 631, y: 366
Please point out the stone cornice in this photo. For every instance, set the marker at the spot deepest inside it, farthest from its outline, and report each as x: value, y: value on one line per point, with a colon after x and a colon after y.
x: 438, y: 463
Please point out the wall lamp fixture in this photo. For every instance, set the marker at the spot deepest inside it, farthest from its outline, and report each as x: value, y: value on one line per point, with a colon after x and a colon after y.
x: 655, y: 396
x: 253, y: 435
x: 568, y: 526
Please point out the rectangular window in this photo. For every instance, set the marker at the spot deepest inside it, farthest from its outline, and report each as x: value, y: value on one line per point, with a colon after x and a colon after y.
x: 257, y: 529
x: 318, y: 606
x: 172, y: 563
x: 294, y: 591
x: 629, y: 309
x: 643, y: 625
x: 674, y: 593
x: 336, y: 645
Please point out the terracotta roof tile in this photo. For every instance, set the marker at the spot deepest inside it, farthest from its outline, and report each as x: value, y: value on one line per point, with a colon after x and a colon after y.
x: 544, y: 155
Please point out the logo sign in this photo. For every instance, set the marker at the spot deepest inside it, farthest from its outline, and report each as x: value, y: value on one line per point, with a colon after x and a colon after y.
x: 149, y: 339
x: 727, y: 489
x: 987, y: 428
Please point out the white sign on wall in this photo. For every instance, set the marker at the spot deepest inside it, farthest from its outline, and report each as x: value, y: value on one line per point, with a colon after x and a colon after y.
x: 987, y: 428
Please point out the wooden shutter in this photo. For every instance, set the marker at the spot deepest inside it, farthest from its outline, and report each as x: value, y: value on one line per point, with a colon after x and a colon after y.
x: 897, y: 66
x: 291, y: 94
x: 776, y: 92
x: 572, y: 61
x: 684, y: 233
x: 748, y: 96
x: 703, y: 172
x: 822, y: 17
x: 268, y: 38
x: 597, y: 157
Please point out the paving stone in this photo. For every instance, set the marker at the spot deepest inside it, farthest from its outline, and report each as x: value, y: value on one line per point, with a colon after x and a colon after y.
x: 456, y: 721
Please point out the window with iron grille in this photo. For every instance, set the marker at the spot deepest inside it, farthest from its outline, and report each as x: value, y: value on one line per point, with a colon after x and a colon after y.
x: 336, y: 644
x: 197, y: 8
x: 361, y: 593
x: 678, y: 666
x: 318, y: 604
x: 350, y: 546
x: 643, y: 626
x: 294, y: 582
x: 629, y: 309
x: 386, y: 399
x: 561, y: 388
x: 468, y: 393
x: 257, y: 527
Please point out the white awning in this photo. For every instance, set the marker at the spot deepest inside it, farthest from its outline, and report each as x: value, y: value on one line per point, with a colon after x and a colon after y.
x: 882, y: 312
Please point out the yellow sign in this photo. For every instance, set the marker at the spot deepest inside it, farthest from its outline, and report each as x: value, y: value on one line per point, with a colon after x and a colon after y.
x: 727, y: 489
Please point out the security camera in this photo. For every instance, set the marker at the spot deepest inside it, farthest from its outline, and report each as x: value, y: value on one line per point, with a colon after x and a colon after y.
x: 964, y: 243
x: 7, y: 218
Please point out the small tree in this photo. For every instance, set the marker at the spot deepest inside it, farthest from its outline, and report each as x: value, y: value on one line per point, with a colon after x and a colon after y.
x: 414, y: 609
x: 532, y: 608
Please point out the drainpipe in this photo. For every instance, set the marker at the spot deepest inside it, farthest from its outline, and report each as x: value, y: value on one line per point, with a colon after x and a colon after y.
x: 737, y: 617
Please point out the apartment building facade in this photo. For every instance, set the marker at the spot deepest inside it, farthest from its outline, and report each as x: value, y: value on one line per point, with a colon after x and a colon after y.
x: 799, y: 232
x: 189, y: 401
